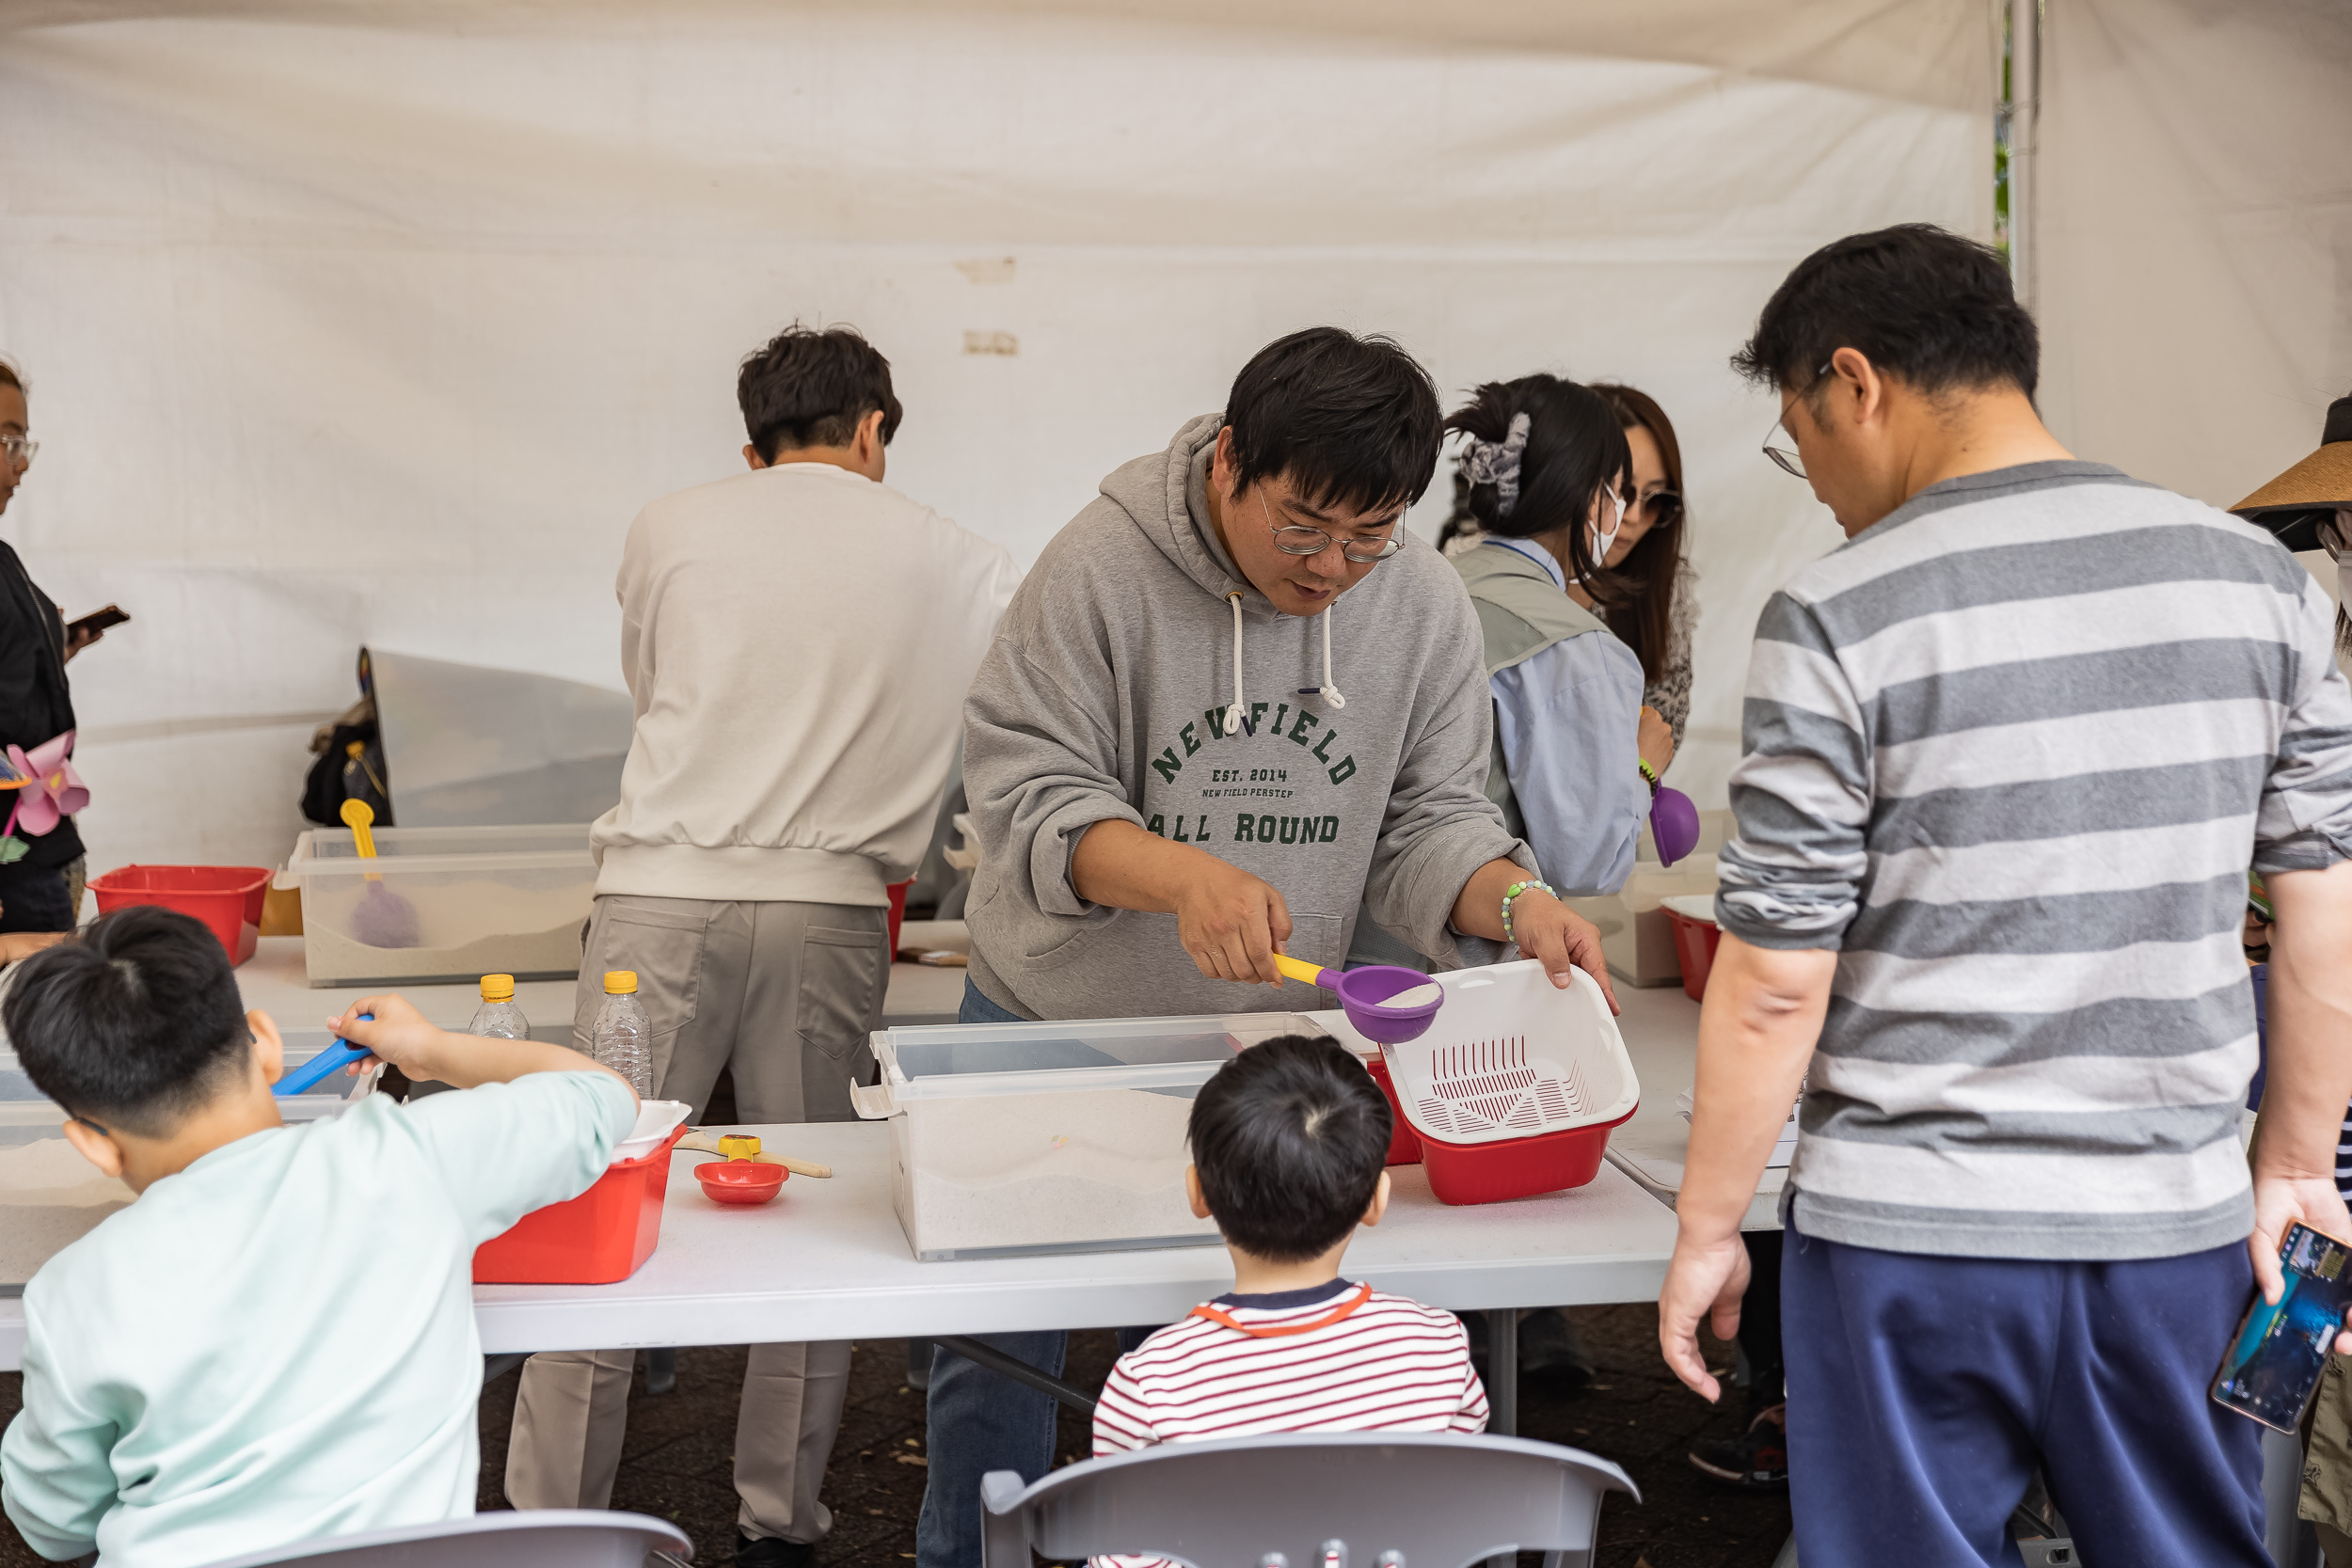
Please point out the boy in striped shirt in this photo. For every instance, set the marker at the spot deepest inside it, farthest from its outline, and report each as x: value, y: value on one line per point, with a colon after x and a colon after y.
x: 1288, y: 1141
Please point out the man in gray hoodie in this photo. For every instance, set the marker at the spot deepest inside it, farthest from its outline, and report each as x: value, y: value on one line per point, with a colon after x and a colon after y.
x: 1169, y: 787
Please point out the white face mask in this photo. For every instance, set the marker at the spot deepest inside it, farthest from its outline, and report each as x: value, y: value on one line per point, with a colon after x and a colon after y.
x: 1604, y: 542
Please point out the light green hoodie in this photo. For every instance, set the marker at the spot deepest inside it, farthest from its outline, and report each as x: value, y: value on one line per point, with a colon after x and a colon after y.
x: 1105, y: 697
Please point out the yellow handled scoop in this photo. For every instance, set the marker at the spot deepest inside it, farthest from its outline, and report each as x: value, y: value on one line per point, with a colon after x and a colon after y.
x: 1386, y: 1004
x: 383, y: 917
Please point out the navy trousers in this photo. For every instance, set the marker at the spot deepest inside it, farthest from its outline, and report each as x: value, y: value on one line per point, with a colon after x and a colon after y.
x: 1925, y: 1391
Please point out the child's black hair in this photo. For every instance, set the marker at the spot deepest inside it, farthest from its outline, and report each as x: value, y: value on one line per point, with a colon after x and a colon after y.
x: 1289, y: 1138
x: 132, y: 1025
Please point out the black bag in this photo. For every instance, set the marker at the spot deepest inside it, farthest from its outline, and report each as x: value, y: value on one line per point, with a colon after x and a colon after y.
x: 350, y: 766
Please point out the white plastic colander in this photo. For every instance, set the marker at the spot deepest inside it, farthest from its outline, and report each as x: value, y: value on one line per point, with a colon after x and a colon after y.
x: 1509, y: 1055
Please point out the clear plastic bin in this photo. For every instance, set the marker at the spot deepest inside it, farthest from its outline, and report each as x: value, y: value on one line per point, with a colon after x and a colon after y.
x: 463, y: 902
x: 51, y: 1198
x: 1017, y: 1138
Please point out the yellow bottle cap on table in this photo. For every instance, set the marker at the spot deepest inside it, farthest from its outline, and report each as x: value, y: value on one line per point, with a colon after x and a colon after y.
x: 498, y: 987
x: 738, y: 1145
x: 620, y: 982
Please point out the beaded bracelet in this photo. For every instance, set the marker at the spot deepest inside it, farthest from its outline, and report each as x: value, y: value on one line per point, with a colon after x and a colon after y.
x: 1513, y: 892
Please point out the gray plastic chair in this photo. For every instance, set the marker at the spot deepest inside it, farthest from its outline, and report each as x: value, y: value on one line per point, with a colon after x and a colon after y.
x: 1358, y: 1499
x: 537, y: 1538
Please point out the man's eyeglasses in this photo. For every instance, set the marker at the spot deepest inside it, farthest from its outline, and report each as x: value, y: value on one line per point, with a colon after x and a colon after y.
x: 18, y: 450
x: 1298, y: 539
x: 1786, y: 456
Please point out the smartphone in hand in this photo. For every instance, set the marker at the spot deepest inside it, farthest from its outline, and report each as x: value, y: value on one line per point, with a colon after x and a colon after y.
x: 2274, y: 1364
x: 96, y: 622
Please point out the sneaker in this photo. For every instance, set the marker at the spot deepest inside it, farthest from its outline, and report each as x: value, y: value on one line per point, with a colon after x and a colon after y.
x: 1756, y: 1460
x: 772, y: 1553
x: 1552, y: 1356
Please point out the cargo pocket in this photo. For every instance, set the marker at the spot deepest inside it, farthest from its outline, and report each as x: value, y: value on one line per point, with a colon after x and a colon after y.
x: 842, y: 977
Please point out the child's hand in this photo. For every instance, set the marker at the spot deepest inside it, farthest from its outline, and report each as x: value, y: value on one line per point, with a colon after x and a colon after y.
x: 398, y: 1034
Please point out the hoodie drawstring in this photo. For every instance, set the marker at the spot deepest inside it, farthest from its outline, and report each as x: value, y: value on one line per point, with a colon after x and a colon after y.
x: 1329, y: 690
x: 1236, y: 717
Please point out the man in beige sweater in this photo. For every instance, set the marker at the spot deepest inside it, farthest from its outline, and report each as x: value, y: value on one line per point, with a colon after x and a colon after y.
x: 798, y: 639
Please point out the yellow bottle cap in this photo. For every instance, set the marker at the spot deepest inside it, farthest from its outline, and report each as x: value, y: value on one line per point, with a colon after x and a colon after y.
x: 498, y: 987
x: 738, y: 1145
x: 620, y: 982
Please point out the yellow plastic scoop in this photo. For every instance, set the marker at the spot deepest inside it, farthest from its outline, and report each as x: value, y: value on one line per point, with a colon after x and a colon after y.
x: 383, y: 917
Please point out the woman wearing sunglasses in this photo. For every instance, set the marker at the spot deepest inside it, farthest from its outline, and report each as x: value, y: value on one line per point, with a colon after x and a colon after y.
x: 1550, y: 479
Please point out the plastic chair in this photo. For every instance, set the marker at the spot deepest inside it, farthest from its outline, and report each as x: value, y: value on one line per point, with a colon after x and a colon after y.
x: 1311, y: 1500
x: 537, y: 1538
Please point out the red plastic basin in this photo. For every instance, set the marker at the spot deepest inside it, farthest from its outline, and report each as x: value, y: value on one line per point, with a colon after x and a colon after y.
x: 1695, y: 944
x: 1515, y: 1168
x: 898, y: 913
x: 603, y: 1235
x: 228, y: 899
x: 1404, y: 1143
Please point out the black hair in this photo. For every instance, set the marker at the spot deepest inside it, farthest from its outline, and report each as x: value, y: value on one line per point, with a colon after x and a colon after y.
x: 1575, y: 447
x: 808, y: 387
x: 133, y: 1023
x: 1289, y: 1138
x: 1351, y: 421
x: 1920, y: 303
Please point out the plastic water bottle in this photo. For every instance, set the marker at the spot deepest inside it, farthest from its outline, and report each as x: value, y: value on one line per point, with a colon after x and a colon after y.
x: 500, y: 1016
x: 624, y: 1037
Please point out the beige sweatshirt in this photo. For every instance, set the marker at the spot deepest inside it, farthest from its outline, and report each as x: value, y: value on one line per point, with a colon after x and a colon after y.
x: 798, y: 640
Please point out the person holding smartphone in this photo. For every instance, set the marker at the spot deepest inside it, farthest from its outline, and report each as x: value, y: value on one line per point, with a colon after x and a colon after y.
x: 41, y: 890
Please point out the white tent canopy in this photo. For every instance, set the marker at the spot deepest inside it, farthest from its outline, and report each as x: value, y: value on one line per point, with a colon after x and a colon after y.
x: 375, y: 323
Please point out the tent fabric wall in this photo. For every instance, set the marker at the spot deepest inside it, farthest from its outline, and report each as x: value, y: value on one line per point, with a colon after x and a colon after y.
x: 375, y: 323
x: 2194, y: 283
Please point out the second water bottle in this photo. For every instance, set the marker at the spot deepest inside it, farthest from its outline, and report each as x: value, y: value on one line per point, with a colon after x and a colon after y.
x: 623, y: 1038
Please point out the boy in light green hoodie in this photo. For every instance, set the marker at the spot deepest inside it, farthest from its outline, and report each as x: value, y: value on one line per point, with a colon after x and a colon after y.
x: 276, y: 1343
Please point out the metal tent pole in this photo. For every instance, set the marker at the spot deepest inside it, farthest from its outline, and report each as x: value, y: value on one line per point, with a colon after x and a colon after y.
x: 2024, y: 98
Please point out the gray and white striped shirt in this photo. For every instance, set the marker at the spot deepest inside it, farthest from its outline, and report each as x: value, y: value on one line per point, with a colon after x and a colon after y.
x: 2011, y: 752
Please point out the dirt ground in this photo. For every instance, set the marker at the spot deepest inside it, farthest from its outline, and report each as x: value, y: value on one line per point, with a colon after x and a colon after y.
x: 676, y: 1462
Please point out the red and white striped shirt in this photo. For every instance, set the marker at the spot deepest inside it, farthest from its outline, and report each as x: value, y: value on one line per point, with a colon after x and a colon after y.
x: 1337, y: 1357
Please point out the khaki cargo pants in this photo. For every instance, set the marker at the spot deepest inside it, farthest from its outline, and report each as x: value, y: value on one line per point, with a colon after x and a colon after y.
x: 784, y: 995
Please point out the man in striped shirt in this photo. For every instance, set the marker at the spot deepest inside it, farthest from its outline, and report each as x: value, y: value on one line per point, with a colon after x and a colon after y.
x: 2008, y: 753
x: 1288, y: 1141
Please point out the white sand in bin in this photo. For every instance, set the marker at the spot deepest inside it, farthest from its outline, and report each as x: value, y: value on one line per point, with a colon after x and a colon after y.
x: 50, y: 1197
x: 1049, y: 1170
x: 464, y: 931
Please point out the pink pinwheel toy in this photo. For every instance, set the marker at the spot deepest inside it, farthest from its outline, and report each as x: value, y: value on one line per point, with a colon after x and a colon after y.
x: 49, y: 792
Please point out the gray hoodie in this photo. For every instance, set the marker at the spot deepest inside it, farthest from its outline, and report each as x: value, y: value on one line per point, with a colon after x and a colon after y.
x: 1104, y: 696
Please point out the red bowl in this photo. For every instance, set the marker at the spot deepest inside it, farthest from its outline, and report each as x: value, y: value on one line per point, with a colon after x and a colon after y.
x: 743, y: 1182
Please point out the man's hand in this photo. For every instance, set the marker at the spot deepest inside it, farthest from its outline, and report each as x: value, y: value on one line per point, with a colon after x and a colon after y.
x: 1705, y: 1279
x: 78, y: 638
x: 2279, y: 1202
x: 1232, y: 923
x: 23, y: 944
x: 398, y: 1034
x: 1560, y: 939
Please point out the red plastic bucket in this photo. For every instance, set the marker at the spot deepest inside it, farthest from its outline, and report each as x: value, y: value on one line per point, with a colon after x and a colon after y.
x: 228, y: 899
x: 898, y: 913
x: 1404, y: 1143
x: 1515, y: 1168
x: 1694, y: 945
x: 603, y: 1235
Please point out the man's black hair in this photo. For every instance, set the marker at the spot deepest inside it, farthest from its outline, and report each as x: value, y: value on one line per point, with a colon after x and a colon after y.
x: 1351, y: 421
x: 132, y: 1025
x: 1920, y: 303
x: 1289, y: 1138
x: 810, y: 388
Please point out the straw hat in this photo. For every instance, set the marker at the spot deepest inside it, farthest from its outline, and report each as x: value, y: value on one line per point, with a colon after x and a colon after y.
x: 2294, y: 505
